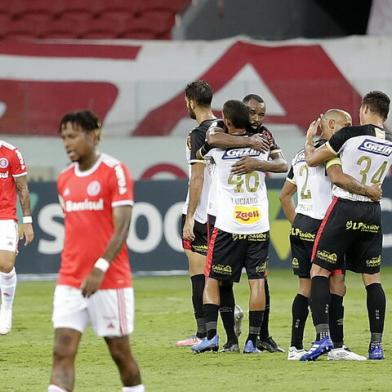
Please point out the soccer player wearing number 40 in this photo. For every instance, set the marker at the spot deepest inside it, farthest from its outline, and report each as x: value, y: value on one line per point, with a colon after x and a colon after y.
x: 95, y: 283
x: 241, y: 234
x: 352, y: 224
x: 314, y: 195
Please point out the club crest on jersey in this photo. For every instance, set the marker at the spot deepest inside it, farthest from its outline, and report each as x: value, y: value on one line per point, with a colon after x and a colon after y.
x: 376, y: 147
x: 93, y: 188
x: 246, y: 215
x: 236, y: 153
x: 3, y: 163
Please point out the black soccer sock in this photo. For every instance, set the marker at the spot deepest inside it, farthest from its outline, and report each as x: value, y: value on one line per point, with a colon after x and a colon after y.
x: 211, y: 317
x: 226, y: 310
x: 336, y: 313
x: 255, y: 320
x: 319, y: 305
x: 264, y: 332
x: 299, y: 311
x: 376, y: 311
x: 198, y: 282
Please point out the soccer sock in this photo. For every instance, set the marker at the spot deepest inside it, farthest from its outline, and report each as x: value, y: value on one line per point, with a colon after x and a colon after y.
x: 264, y: 332
x: 211, y: 317
x: 376, y: 311
x: 255, y: 320
x: 299, y: 311
x: 319, y: 304
x: 198, y: 282
x: 336, y: 312
x: 136, y: 388
x: 226, y: 310
x: 7, y: 287
x: 55, y: 388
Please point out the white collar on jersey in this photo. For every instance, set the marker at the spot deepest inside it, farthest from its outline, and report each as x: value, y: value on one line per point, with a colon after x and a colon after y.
x: 86, y: 173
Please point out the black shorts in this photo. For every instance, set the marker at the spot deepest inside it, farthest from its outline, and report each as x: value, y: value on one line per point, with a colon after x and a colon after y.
x: 199, y: 244
x: 351, y: 229
x: 228, y: 253
x: 302, y: 236
x: 210, y: 225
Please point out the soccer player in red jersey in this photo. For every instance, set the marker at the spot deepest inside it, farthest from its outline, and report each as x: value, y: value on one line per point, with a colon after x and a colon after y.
x: 95, y: 283
x: 13, y: 181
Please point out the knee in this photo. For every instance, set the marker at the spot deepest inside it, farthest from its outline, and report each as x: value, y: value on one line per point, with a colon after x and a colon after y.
x: 7, y: 264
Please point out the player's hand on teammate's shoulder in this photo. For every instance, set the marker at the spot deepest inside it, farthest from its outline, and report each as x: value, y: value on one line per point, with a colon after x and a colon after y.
x: 92, y: 282
x: 258, y: 143
x: 374, y: 192
x: 245, y: 165
x: 187, y: 231
x: 26, y: 231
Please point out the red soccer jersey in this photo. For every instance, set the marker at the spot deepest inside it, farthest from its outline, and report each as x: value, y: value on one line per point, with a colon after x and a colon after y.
x: 88, y: 199
x: 11, y: 166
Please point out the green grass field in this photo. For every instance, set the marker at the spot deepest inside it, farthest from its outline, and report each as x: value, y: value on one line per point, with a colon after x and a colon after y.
x: 163, y: 315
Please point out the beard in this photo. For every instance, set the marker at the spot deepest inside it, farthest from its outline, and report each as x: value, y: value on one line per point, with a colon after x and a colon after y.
x: 192, y: 114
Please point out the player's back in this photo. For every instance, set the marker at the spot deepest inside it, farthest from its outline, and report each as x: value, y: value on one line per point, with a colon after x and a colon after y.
x: 241, y: 200
x: 314, y: 189
x: 366, y: 154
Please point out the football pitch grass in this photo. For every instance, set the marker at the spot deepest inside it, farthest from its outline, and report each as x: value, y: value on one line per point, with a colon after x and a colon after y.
x: 163, y: 315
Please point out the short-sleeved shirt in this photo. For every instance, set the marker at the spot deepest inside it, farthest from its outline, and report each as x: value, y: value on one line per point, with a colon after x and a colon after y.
x: 88, y: 199
x: 313, y: 185
x: 241, y: 200
x: 194, y: 142
x: 273, y: 149
x: 11, y: 165
x: 366, y: 154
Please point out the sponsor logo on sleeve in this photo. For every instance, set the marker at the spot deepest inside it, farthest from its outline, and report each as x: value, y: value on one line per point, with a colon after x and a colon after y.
x: 236, y: 153
x: 246, y: 215
x: 376, y: 147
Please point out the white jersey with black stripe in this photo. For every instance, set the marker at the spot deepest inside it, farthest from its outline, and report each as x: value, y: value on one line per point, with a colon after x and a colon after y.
x: 241, y: 200
x: 314, y: 188
x: 366, y: 154
x: 194, y: 142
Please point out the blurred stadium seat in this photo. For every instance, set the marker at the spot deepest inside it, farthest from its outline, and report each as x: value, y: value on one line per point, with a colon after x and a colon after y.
x: 141, y: 19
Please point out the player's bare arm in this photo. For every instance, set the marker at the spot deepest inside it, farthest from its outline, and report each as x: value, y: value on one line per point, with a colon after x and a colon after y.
x: 121, y: 220
x: 216, y: 137
x: 350, y: 184
x: 277, y: 164
x: 195, y: 187
x: 313, y: 156
x: 24, y: 199
x: 286, y: 200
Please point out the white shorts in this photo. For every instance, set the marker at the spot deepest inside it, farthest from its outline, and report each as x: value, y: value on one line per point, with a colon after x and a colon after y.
x: 110, y: 312
x: 9, y: 235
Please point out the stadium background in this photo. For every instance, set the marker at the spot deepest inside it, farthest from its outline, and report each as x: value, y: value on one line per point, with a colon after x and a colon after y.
x: 129, y: 62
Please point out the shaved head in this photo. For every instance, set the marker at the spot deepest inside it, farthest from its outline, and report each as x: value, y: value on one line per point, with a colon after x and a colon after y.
x: 337, y: 115
x: 333, y: 120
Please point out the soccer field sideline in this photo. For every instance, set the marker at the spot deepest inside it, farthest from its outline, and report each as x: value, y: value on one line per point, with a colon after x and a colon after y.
x: 163, y: 315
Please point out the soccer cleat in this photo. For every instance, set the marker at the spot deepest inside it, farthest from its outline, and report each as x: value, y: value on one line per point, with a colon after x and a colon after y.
x: 250, y: 348
x: 269, y: 345
x: 319, y: 347
x: 191, y: 341
x: 5, y: 321
x: 238, y: 317
x: 295, y: 354
x: 376, y: 352
x: 231, y: 347
x: 344, y: 354
x: 206, y: 345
